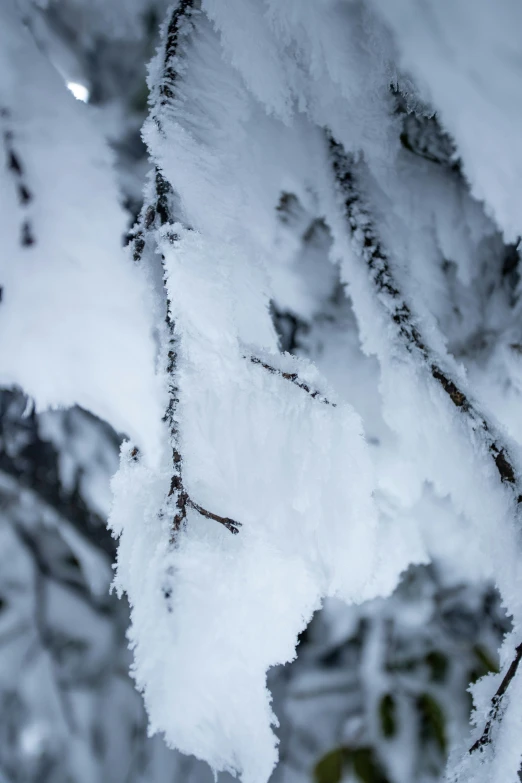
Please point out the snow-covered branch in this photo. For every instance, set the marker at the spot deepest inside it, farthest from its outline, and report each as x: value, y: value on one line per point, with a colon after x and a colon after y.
x: 370, y: 249
x: 156, y: 215
x: 368, y: 245
x: 496, y: 702
x: 293, y: 377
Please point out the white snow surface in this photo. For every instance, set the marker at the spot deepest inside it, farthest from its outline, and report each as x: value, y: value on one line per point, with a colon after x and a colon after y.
x: 76, y: 316
x: 466, y: 61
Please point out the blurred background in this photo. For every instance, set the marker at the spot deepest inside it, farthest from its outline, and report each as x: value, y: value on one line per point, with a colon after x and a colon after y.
x: 377, y: 693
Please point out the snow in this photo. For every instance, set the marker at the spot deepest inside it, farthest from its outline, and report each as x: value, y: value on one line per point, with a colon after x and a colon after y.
x: 211, y: 614
x: 76, y: 315
x: 295, y: 472
x: 80, y: 91
x: 337, y: 492
x: 466, y: 63
x: 308, y: 530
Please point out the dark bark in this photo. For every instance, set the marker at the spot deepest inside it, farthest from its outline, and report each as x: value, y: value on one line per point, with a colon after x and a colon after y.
x: 293, y: 377
x: 485, y: 737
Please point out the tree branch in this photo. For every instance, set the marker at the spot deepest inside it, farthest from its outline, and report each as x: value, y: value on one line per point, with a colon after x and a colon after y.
x: 230, y: 524
x: 159, y: 213
x: 179, y: 17
x: 293, y: 378
x: 485, y: 737
x: 370, y: 250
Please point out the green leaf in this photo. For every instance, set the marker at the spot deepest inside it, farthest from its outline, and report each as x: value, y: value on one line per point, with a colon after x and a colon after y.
x: 438, y: 665
x: 482, y: 655
x: 367, y: 767
x: 329, y: 769
x: 432, y: 721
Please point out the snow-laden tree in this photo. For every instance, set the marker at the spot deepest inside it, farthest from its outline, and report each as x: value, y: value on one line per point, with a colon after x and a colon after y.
x: 311, y: 341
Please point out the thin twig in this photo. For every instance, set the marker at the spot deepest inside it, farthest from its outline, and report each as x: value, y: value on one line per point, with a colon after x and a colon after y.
x: 230, y: 524
x: 293, y: 377
x: 485, y: 737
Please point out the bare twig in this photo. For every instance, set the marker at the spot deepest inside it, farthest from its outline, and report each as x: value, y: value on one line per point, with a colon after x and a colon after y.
x: 230, y: 524
x: 293, y: 377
